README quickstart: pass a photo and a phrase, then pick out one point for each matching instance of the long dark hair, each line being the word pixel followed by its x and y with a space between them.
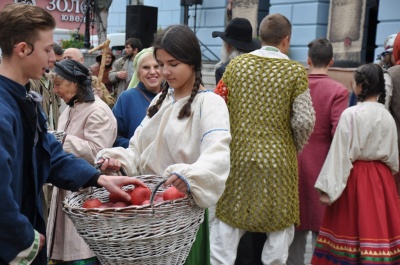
pixel 182 44
pixel 370 77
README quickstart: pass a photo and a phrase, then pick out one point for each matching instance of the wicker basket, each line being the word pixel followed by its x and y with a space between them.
pixel 162 233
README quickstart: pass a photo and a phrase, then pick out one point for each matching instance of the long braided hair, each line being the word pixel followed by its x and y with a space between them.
pixel 370 77
pixel 182 44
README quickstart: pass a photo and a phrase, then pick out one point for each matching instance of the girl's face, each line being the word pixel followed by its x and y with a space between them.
pixel 179 75
pixel 65 88
pixel 149 73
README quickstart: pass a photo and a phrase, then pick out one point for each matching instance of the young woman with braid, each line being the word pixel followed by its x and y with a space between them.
pixel 361 223
pixel 185 135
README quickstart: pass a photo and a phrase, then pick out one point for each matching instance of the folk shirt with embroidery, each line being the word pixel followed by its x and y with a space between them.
pixel 271 118
pixel 196 147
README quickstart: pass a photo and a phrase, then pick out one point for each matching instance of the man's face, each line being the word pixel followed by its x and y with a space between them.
pixel 58 58
pixel 41 55
pixel 72 54
pixel 128 50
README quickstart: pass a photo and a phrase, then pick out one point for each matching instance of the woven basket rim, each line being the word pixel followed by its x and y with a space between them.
pixel 92 190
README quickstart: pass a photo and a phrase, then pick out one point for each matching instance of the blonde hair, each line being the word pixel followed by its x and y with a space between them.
pixel 136 64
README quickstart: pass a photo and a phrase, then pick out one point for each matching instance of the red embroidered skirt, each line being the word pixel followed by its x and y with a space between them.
pixel 363 225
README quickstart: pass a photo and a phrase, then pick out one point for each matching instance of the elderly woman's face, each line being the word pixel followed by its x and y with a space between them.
pixel 65 88
pixel 149 73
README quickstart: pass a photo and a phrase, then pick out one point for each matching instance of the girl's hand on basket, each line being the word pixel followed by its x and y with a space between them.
pixel 177 182
pixel 109 163
pixel 114 183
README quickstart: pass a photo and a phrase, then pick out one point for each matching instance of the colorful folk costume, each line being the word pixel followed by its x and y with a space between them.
pixel 361 226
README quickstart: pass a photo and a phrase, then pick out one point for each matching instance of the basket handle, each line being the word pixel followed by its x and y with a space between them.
pixel 153 193
pixel 121 169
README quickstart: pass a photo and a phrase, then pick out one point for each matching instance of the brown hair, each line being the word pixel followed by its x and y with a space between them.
pixel 274 28
pixel 182 44
pixel 320 52
pixel 21 23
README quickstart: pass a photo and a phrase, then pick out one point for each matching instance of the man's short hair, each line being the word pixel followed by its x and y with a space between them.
pixel 320 52
pixel 21 23
pixel 134 43
pixel 274 28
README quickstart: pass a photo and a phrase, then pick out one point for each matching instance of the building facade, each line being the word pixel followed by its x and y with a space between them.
pixel 310 19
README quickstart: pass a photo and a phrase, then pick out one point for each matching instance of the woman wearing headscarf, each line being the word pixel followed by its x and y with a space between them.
pixel 89 126
pixel 132 104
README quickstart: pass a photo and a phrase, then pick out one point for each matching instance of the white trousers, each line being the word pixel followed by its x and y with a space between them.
pixel 225 240
pixel 297 249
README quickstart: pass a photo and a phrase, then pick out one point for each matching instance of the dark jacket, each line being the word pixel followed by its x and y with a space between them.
pixel 29 158
pixel 130 110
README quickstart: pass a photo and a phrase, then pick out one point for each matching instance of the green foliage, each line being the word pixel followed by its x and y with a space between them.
pixel 75 41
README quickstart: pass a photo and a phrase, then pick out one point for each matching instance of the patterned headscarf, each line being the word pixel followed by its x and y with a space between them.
pixel 76 72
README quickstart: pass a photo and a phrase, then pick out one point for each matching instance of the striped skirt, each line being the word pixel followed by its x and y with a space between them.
pixel 363 225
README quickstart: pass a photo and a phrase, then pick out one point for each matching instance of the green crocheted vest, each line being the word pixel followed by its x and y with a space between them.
pixel 261 192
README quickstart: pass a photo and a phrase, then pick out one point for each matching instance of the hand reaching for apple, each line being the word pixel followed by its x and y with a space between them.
pixel 177 182
pixel 114 183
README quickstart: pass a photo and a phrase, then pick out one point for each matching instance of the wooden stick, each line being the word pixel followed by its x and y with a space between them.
pixel 104 46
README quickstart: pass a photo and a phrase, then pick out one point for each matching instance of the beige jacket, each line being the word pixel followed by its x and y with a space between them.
pixel 89 127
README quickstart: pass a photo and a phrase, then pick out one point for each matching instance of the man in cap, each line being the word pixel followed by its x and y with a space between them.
pixel 237 39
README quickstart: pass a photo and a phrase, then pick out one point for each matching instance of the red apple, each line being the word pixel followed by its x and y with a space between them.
pixel 139 195
pixel 146 202
pixel 114 198
pixel 172 193
pixel 92 203
pixel 119 205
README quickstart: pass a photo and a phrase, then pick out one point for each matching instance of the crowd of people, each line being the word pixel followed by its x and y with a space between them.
pixel 276 152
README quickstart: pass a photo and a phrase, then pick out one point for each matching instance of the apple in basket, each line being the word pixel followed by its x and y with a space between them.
pixel 120 205
pixel 114 198
pixel 92 203
pixel 172 193
pixel 139 195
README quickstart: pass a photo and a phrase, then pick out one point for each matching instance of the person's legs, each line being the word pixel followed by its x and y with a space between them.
pixel 224 243
pixel 245 253
pixel 297 249
pixel 276 248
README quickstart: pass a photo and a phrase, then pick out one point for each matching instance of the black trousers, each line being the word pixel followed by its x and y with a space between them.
pixel 250 249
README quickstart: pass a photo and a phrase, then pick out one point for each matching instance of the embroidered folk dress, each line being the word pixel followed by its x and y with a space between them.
pixel 195 148
pixel 361 226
